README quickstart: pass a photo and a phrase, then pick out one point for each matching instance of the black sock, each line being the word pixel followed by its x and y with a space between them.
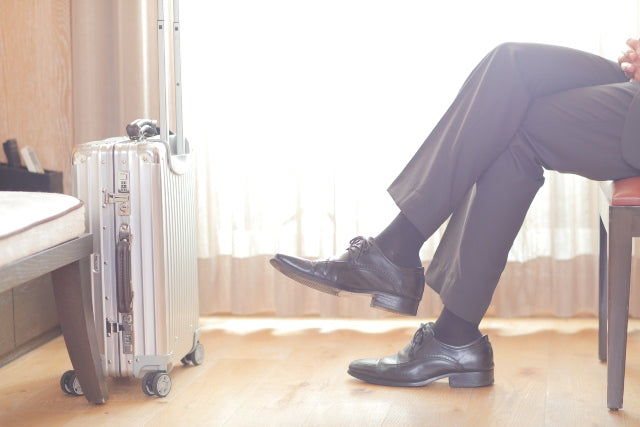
pixel 401 242
pixel 454 330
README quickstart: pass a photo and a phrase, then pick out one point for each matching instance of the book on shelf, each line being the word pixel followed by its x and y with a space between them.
pixel 30 159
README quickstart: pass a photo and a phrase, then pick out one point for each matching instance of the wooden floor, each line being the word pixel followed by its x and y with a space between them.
pixel 292 372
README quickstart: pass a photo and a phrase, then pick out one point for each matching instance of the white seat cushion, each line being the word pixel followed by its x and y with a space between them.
pixel 31 222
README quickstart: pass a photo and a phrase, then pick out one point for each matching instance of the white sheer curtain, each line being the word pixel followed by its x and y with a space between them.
pixel 304 111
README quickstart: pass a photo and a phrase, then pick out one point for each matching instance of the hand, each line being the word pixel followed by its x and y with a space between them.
pixel 630 60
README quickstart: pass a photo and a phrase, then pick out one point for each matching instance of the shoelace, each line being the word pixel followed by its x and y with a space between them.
pixel 418 337
pixel 358 245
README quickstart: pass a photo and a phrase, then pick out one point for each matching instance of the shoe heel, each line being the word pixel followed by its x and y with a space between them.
pixel 471 379
pixel 396 304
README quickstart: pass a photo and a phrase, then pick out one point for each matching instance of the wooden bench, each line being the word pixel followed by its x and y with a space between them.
pixel 69 265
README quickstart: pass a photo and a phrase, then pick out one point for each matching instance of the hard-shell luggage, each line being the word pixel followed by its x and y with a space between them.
pixel 139 192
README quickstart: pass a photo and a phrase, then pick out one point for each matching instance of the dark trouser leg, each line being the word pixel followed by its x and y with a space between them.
pixel 576 131
pixel 482 122
pixel 473 251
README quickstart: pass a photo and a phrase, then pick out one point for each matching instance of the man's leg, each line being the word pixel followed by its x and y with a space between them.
pixel 483 120
pixel 576 131
pixel 475 131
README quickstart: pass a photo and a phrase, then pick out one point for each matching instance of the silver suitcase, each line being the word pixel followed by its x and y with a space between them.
pixel 139 191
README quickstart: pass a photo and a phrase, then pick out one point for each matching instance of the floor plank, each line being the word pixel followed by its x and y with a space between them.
pixel 292 372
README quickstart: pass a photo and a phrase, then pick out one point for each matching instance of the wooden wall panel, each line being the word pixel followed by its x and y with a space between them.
pixel 34 309
pixel 35 80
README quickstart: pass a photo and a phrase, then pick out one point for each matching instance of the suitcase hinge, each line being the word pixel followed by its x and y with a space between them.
pixel 95 262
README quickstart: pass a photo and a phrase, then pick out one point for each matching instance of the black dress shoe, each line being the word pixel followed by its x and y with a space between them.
pixel 362 269
pixel 426 360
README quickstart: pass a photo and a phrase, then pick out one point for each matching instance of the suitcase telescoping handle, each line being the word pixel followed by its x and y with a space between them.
pixel 169 26
pixel 177 146
pixel 124 289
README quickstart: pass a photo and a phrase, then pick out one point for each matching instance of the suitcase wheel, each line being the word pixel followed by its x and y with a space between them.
pixel 196 357
pixel 69 384
pixel 156 384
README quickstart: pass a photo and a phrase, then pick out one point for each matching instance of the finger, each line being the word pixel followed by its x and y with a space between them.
pixel 633 43
pixel 624 57
pixel 627 52
pixel 628 69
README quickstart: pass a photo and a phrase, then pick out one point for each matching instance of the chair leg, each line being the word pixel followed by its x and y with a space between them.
pixel 72 292
pixel 620 222
pixel 602 294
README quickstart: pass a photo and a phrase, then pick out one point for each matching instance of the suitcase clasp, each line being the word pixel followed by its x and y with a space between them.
pixel 121 199
pixel 116 198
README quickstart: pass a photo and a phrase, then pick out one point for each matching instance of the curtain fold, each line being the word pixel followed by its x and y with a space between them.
pixel 307 111
pixel 114 65
pixel 302 113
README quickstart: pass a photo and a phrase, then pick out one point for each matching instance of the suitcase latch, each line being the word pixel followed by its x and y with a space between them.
pixel 122 200
pixel 127 333
pixel 116 197
pixel 126 330
pixel 112 327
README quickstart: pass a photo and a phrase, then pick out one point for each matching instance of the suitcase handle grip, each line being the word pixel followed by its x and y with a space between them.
pixel 142 128
pixel 124 289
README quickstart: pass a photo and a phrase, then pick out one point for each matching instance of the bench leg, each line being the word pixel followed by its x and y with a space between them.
pixel 72 291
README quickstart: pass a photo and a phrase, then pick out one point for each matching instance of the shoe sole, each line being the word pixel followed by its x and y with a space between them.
pixel 456 379
pixel 381 300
